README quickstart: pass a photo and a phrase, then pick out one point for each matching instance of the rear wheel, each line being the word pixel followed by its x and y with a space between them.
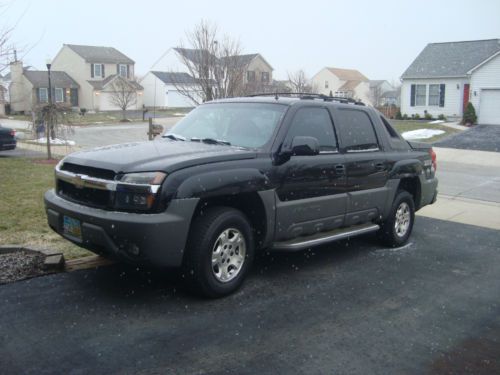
pixel 396 229
pixel 220 252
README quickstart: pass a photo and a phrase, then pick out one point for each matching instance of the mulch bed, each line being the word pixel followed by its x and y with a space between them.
pixel 19 265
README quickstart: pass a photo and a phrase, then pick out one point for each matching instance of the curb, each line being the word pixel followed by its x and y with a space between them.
pixel 54 260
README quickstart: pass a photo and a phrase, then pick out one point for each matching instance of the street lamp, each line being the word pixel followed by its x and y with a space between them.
pixel 48 127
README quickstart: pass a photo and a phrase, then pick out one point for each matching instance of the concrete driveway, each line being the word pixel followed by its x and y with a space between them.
pixel 479 137
pixel 348 308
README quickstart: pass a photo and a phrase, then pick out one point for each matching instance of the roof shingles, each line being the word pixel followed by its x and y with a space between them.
pixel 39 78
pixel 452 59
pixel 98 54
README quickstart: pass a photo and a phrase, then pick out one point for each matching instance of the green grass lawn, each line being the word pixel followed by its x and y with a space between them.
pixel 407 125
pixel 22 213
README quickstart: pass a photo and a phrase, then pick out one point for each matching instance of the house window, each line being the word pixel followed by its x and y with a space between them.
pixel 43 96
pixel 434 95
pixel 420 94
pixel 326 84
pixel 264 77
pixel 123 70
pixel 250 76
pixel 97 70
pixel 59 95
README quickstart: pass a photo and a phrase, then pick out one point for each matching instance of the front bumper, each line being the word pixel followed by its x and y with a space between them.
pixel 153 239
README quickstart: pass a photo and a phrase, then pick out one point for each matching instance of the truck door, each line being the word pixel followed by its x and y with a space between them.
pixel 311 194
pixel 366 165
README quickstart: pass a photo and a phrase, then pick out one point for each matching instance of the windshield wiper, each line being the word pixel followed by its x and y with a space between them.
pixel 175 137
pixel 211 141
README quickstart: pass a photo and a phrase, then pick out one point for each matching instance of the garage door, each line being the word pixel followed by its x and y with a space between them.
pixel 489 107
pixel 177 100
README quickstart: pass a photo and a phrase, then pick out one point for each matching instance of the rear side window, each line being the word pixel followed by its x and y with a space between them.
pixel 314 122
pixel 356 130
pixel 390 130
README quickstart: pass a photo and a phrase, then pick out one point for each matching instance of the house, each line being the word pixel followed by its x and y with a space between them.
pixel 29 89
pixel 257 73
pixel 346 83
pixel 445 77
pixel 99 71
pixel 390 98
pixel 377 90
pixel 170 90
pixel 7 79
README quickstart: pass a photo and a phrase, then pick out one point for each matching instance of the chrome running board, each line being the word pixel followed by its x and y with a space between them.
pixel 301 243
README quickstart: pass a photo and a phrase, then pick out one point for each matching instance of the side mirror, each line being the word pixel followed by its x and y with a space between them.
pixel 305 146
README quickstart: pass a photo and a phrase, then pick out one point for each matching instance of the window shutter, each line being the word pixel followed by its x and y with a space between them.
pixel 412 96
pixel 91 70
pixel 117 69
pixel 102 70
pixel 64 95
pixel 38 95
pixel 128 71
pixel 441 94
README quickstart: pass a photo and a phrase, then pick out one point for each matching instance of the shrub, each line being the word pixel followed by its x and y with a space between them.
pixel 83 111
pixel 442 117
pixel 405 117
pixel 398 115
pixel 470 117
pixel 417 116
pixel 427 116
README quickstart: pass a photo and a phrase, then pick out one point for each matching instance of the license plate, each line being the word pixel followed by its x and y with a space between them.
pixel 72 227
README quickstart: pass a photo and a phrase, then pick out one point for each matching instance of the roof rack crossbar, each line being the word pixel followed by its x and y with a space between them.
pixel 308 95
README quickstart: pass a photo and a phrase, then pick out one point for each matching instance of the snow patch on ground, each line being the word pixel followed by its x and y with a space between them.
pixel 178 114
pixel 55 141
pixel 436 122
pixel 421 133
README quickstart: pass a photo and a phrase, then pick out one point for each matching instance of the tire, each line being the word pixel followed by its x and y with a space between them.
pixel 220 252
pixel 396 229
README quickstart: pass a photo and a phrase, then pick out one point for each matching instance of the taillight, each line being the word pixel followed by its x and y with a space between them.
pixel 13 133
pixel 432 153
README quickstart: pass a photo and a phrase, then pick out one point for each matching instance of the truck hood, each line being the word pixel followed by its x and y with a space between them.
pixel 162 155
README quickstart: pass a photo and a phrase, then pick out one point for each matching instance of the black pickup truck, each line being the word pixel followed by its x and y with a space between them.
pixel 240 175
pixel 7 139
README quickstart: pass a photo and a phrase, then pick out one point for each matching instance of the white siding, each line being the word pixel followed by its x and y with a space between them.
pixel 319 79
pixel 151 83
pixel 486 76
pixel 453 99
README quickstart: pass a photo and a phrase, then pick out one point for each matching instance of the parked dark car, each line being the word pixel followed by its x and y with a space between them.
pixel 7 139
pixel 240 175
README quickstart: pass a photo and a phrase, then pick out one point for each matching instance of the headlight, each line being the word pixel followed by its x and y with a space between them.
pixel 138 191
pixel 149 178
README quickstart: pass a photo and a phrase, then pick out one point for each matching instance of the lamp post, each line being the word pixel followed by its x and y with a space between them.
pixel 48 126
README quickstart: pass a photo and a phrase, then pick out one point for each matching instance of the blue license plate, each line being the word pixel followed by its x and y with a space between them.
pixel 72 227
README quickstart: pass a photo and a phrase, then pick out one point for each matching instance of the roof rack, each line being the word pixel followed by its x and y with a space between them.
pixel 310 96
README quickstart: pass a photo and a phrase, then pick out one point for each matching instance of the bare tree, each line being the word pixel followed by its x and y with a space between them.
pixel 213 62
pixel 375 95
pixel 299 82
pixel 123 94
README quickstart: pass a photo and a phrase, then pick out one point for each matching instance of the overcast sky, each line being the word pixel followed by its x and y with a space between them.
pixel 379 38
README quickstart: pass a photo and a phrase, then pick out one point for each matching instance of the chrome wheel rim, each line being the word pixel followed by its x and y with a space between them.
pixel 228 255
pixel 403 217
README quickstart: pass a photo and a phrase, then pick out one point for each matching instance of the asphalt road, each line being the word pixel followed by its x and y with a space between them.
pixel 358 308
pixel 479 137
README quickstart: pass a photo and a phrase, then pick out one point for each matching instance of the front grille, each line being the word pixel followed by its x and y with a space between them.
pixel 105 174
pixel 86 196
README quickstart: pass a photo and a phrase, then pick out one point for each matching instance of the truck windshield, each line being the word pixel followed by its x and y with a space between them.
pixel 248 125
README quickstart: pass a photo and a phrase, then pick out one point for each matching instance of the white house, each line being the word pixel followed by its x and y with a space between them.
pixel 97 70
pixel 346 83
pixel 445 77
pixel 161 90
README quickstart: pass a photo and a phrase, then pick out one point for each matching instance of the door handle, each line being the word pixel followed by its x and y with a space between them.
pixel 380 166
pixel 340 169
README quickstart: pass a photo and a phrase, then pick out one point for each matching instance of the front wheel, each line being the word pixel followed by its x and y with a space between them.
pixel 220 252
pixel 396 229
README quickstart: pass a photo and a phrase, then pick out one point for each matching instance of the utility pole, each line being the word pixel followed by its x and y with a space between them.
pixel 48 126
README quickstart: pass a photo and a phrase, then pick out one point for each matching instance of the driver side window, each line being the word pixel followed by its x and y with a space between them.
pixel 314 122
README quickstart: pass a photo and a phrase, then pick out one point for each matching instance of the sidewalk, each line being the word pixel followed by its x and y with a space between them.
pixel 464 210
